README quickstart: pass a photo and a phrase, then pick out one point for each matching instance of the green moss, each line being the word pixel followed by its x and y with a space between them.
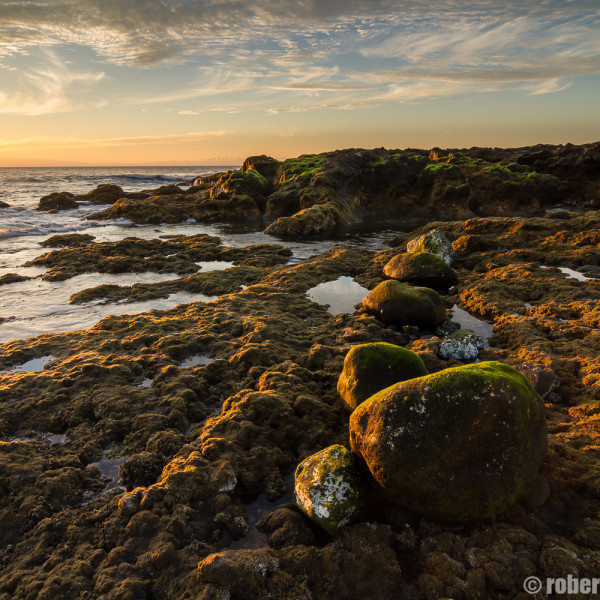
pixel 441 167
pixel 307 163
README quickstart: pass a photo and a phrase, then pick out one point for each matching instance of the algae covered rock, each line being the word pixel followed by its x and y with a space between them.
pixel 369 368
pixel 463 344
pixel 328 488
pixel 434 242
pixel 396 303
pixel 455 446
pixel 421 268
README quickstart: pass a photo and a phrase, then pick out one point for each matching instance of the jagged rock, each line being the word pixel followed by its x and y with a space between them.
pixel 58 201
pixel 310 221
pixel 328 488
pixel 455 446
pixel 434 242
pixel 421 268
pixel 105 194
pixel 268 167
pixel 369 368
pixel 396 303
pixel 463 344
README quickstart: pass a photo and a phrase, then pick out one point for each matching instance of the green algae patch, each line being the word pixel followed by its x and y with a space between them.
pixel 396 303
pixel 369 368
pixel 455 446
pixel 328 488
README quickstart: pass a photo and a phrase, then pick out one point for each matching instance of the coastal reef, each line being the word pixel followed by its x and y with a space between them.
pixel 316 194
pixel 153 455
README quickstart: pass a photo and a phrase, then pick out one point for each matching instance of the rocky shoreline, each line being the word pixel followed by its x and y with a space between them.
pixel 153 455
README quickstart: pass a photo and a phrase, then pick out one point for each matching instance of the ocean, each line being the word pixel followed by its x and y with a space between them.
pixel 34 307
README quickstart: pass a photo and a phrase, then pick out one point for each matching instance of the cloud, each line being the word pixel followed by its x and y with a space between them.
pixel 33 143
pixel 347 106
pixel 49 89
pixel 369 51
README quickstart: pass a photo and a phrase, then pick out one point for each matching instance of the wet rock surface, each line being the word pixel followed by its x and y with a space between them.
pixel 201 443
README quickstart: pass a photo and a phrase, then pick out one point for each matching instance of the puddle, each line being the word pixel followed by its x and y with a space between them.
pixel 146 383
pixel 468 321
pixel 214 265
pixel 574 274
pixel 258 509
pixel 341 295
pixel 194 361
pixel 33 365
pixel 109 467
pixel 57 438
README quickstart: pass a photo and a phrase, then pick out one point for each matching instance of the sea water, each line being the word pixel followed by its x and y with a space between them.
pixel 34 307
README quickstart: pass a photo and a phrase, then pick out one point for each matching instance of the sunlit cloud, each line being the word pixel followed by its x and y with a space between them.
pixel 37 143
pixel 53 88
pixel 347 106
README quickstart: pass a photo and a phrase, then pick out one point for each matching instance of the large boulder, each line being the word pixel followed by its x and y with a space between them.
pixel 396 303
pixel 435 242
pixel 328 488
pixel 455 446
pixel 421 268
pixel 369 368
pixel 58 201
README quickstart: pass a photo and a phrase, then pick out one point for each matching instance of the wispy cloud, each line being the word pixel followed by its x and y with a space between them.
pixel 347 106
pixel 37 143
pixel 53 88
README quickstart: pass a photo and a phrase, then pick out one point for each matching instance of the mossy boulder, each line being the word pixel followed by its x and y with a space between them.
pixel 265 165
pixel 58 201
pixel 396 303
pixel 434 242
pixel 319 219
pixel 459 445
pixel 463 344
pixel 328 488
pixel 421 268
pixel 369 368
pixel 105 194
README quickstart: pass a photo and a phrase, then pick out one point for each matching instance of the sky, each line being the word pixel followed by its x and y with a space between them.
pixel 209 82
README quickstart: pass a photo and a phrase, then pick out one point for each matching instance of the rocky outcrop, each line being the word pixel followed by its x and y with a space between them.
pixel 347 185
pixel 456 446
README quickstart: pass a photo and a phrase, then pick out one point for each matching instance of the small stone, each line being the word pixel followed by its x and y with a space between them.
pixel 463 344
pixel 328 488
pixel 434 242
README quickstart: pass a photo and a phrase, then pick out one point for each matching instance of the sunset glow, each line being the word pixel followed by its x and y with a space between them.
pixel 209 82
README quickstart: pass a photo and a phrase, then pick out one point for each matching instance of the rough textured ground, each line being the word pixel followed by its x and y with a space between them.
pixel 206 451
